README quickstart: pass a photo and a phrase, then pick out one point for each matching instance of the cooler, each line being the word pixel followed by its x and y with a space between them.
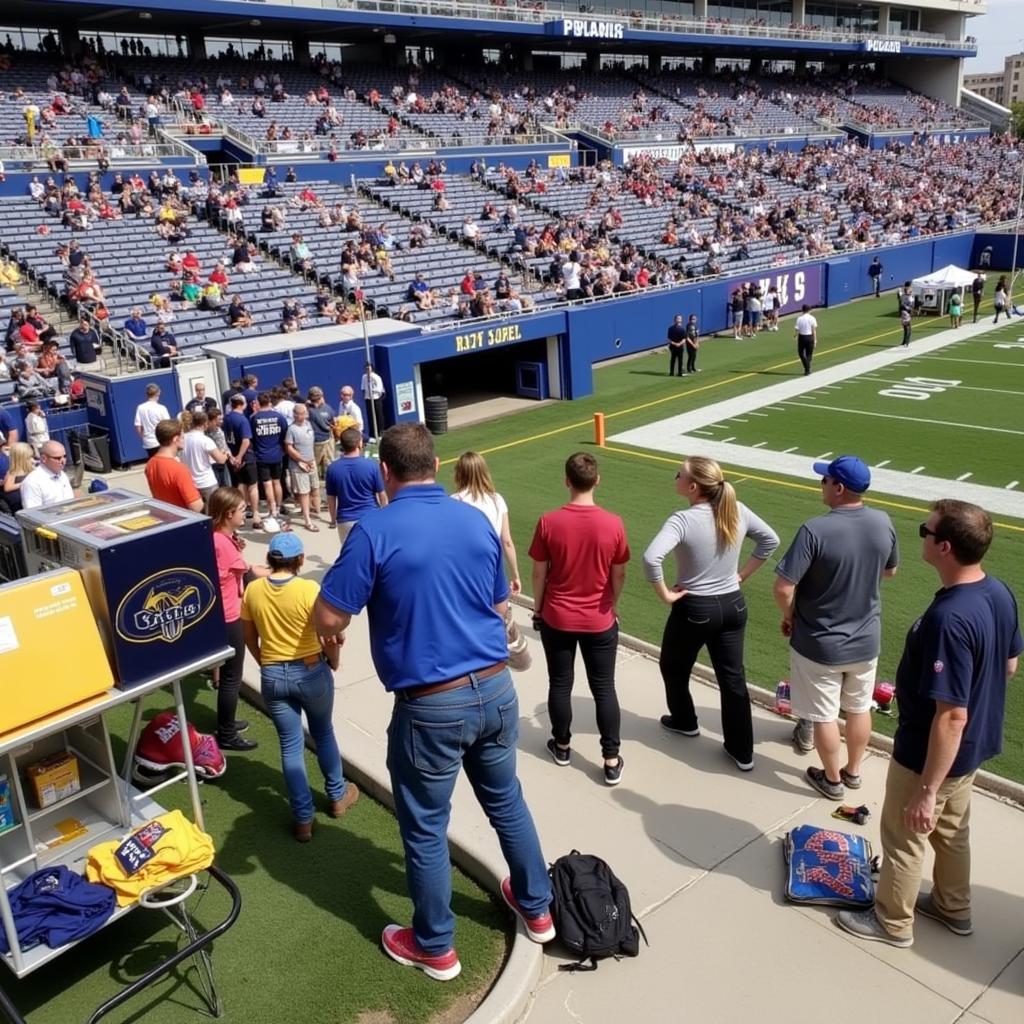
pixel 51 654
pixel 151 575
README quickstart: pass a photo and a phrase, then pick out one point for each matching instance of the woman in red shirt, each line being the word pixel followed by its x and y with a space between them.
pixel 227 510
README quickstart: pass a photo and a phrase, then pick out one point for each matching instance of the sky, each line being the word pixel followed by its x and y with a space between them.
pixel 999 33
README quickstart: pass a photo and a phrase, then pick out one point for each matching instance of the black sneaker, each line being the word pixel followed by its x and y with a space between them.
pixel 241 725
pixel 668 723
pixel 237 742
pixel 613 772
pixel 560 755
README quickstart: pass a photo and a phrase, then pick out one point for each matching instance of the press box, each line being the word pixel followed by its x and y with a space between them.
pixel 151 575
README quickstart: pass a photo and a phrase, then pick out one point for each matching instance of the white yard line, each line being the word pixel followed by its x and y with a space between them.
pixel 736 419
pixel 786 451
pixel 706 433
pixel 982 362
pixel 964 476
pixel 910 419
pixel 917 470
pixel 959 387
pixel 755 413
pixel 725 439
pixel 883 463
pixel 760 444
pixel 1013 483
pixel 823 455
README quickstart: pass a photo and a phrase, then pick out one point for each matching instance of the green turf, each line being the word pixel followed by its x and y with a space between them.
pixel 305 949
pixel 527 452
pixel 968 426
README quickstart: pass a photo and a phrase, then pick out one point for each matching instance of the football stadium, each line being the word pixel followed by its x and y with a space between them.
pixel 259 261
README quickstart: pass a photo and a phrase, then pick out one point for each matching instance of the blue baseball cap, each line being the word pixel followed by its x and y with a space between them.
pixel 287 545
pixel 848 470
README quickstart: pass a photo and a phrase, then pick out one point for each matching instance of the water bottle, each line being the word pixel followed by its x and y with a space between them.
pixel 782 705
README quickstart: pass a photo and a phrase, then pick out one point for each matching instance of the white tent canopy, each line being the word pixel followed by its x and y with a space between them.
pixel 945 279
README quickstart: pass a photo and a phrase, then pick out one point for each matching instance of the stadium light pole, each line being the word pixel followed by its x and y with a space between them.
pixel 1016 226
pixel 372 408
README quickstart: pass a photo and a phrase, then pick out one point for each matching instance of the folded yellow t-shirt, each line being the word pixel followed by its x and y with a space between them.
pixel 163 849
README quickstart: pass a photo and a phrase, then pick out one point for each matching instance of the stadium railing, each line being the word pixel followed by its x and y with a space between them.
pixel 552 10
pixel 119 153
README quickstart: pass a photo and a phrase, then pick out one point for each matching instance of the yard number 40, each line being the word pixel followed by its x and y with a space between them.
pixel 919 388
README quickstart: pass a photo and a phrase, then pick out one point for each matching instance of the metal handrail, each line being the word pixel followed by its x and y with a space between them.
pixel 554 10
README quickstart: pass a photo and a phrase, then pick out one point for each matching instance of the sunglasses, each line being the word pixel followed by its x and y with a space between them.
pixel 923 531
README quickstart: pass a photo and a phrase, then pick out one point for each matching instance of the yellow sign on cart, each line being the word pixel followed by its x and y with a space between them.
pixel 51 654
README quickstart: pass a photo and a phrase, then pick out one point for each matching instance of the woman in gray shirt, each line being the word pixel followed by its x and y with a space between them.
pixel 708 608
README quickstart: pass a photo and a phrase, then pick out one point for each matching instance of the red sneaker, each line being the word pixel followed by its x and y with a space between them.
pixel 400 944
pixel 540 928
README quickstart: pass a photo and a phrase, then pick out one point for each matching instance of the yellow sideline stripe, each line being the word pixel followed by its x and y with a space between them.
pixel 792 485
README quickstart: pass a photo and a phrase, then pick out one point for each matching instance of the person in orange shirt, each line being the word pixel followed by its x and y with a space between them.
pixel 168 479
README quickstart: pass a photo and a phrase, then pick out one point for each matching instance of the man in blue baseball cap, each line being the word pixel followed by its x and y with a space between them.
pixel 827 587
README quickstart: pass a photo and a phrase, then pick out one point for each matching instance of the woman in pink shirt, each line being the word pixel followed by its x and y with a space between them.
pixel 227 510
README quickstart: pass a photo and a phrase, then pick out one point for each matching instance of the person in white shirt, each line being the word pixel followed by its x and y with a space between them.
pixel 571 279
pixel 349 407
pixel 47 484
pixel 475 487
pixel 806 337
pixel 147 416
pixel 372 388
pixel 36 430
pixel 199 454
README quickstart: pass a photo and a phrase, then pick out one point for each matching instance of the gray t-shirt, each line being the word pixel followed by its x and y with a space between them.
pixel 836 561
pixel 701 567
pixel 301 439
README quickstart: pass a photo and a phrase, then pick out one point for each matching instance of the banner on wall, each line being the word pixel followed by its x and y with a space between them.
pixel 675 152
pixel 794 287
pixel 405 397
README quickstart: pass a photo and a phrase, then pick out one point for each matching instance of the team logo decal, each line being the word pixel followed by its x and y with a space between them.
pixel 163 606
pixel 938 667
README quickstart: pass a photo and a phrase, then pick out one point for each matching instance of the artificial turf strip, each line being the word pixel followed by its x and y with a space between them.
pixel 306 948
pixel 527 452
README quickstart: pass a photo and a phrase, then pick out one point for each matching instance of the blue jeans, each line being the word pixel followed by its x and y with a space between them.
pixel 289 688
pixel 429 740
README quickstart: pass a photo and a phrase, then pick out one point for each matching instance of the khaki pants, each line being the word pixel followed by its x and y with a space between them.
pixel 904 851
pixel 323 455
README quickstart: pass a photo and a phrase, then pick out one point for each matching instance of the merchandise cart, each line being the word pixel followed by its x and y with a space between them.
pixel 107 806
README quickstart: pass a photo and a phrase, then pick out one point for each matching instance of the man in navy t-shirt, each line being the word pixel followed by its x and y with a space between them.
pixel 242 463
pixel 268 430
pixel 951 693
pixel 354 484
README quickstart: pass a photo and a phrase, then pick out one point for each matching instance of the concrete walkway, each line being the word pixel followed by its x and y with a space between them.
pixel 699 845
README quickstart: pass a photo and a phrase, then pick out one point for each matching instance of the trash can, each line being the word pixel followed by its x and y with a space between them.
pixel 89 447
pixel 436 414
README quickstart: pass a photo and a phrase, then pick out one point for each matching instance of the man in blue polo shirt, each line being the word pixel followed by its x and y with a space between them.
pixel 429 572
pixel 8 429
pixel 268 430
pixel 238 434
pixel 353 484
pixel 951 695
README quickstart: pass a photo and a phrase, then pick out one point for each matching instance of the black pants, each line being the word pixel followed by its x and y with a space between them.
pixel 598 650
pixel 675 361
pixel 805 350
pixel 1001 309
pixel 877 285
pixel 691 359
pixel 977 303
pixel 230 682
pixel 378 408
pixel 906 334
pixel 719 624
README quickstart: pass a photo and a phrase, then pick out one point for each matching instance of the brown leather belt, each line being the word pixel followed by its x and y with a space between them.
pixel 412 692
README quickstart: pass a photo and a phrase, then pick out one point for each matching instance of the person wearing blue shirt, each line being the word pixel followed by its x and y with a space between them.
pixel 8 430
pixel 242 463
pixel 353 484
pixel 429 572
pixel 951 694
pixel 163 345
pixel 268 430
pixel 135 327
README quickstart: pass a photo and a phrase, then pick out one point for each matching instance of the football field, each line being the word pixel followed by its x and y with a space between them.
pixel 942 419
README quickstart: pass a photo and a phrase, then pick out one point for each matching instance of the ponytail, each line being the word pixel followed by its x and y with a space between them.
pixel 707 475
pixel 727 514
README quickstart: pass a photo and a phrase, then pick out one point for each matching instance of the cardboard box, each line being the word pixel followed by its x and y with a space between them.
pixel 6 804
pixel 51 654
pixel 53 778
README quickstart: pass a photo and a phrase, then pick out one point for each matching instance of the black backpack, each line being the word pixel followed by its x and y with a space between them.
pixel 592 911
